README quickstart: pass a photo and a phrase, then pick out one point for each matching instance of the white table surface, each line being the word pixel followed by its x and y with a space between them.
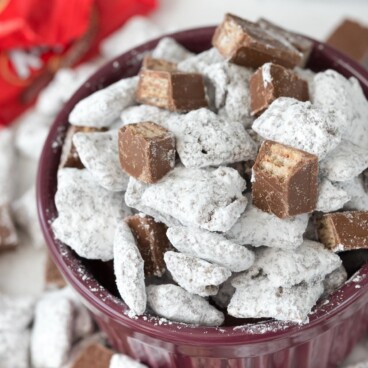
pixel 21 271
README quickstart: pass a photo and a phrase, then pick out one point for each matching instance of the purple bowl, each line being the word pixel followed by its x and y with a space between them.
pixel 334 327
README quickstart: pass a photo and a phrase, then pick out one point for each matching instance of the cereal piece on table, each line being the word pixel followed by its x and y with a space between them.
pixel 258 228
pixel 171 89
pixel 16 312
pixel 247 44
pixel 146 151
pixel 170 50
pixel 211 199
pixel 129 270
pixel 334 280
pixel 344 99
pixel 344 230
pixel 124 361
pixel 8 234
pixel 272 81
pixel 87 214
pixel 358 195
pixel 309 263
pixel 302 44
pixel 257 297
pixel 330 197
pixel 345 162
pixel 203 139
pixel 285 180
pixel 195 275
pixel 211 247
pixel 224 295
pixel 102 108
pixel 151 241
pixel 300 125
pixel 99 153
pixel 14 349
pixel 69 155
pixel 141 113
pixel 52 333
pixel 25 215
pixel 92 355
pixel 351 38
pixel 173 302
pixel 53 277
pixel 199 62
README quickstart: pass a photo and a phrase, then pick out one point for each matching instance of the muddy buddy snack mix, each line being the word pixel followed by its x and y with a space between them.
pixel 214 185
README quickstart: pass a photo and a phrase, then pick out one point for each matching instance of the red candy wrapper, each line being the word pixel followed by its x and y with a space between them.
pixel 38 37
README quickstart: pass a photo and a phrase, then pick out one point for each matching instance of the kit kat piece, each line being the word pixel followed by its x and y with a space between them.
pixel 247 44
pixel 161 85
pixel 146 151
pixel 8 234
pixel 343 231
pixel 351 38
pixel 284 180
pixel 272 81
pixel 302 44
pixel 152 242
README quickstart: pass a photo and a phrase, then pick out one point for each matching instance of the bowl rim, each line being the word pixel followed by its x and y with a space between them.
pixel 104 303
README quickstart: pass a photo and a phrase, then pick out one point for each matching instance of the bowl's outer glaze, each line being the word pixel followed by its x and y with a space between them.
pixel 333 329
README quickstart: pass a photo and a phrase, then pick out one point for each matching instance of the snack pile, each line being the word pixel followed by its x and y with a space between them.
pixel 212 181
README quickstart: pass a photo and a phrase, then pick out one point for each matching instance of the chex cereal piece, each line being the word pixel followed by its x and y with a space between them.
pixel 334 280
pixel 87 214
pixel 300 125
pixel 99 153
pixel 211 247
pixel 246 43
pixel 224 295
pixel 173 302
pixel 345 162
pixel 257 297
pixel 171 89
pixel 146 151
pixel 302 44
pixel 141 113
pixel 91 355
pixel 310 262
pixel 285 180
pixel 203 139
pixel 198 63
pixel 14 349
pixel 102 108
pixel 171 50
pixel 151 241
pixel 25 215
pixel 344 230
pixel 272 81
pixel 357 193
pixel 258 228
pixel 330 197
pixel 16 312
pixel 8 234
pixel 208 198
pixel 52 333
pixel 69 155
pixel 195 275
pixel 129 270
pixel 124 361
pixel 345 99
pixel 53 277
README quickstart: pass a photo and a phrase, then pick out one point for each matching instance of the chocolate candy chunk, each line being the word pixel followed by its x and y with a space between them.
pixel 344 230
pixel 94 355
pixel 161 85
pixel 53 277
pixel 247 44
pixel 351 38
pixel 69 156
pixel 152 242
pixel 284 180
pixel 272 81
pixel 146 151
pixel 8 234
pixel 302 44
